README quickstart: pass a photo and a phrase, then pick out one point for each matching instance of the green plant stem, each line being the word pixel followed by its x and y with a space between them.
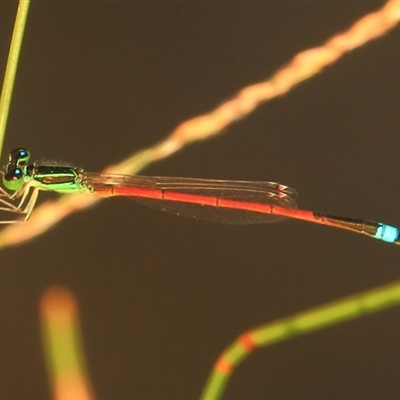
pixel 11 67
pixel 308 321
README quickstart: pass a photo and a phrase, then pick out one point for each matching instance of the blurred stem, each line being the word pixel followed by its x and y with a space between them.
pixel 63 345
pixel 11 67
pixel 322 317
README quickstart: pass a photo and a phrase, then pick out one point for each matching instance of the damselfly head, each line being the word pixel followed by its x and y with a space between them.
pixel 13 178
pixel 19 156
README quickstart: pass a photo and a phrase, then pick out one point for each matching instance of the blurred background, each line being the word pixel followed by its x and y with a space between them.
pixel 160 296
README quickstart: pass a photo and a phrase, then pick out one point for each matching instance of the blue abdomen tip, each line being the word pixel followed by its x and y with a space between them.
pixel 387 233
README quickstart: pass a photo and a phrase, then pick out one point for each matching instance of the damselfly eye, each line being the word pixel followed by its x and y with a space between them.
pixel 13 178
pixel 19 157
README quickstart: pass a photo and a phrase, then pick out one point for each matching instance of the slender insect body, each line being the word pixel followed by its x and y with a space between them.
pixel 232 202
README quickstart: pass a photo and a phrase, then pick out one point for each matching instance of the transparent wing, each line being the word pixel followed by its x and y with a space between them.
pixel 197 198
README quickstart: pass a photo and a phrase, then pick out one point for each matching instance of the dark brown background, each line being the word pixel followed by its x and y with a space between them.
pixel 161 296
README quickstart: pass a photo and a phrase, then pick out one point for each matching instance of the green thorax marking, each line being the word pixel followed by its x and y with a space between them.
pixel 57 178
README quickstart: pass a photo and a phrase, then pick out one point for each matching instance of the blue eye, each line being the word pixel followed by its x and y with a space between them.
pixel 13 179
pixel 19 156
